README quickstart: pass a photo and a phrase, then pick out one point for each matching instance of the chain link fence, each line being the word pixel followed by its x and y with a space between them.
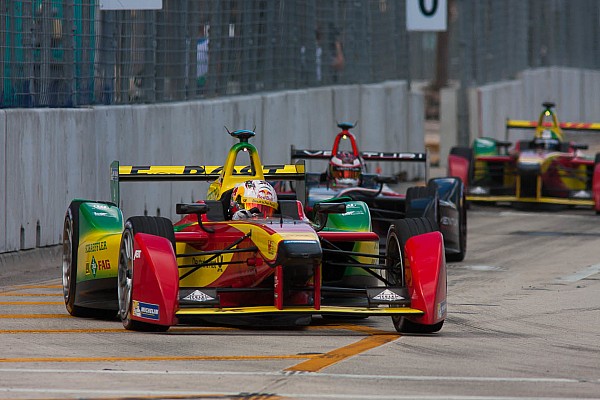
pixel 58 53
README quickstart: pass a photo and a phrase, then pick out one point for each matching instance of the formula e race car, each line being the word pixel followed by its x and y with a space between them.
pixel 347 176
pixel 244 255
pixel 544 170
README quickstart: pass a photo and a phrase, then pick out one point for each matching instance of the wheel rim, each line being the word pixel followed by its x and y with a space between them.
pixel 67 257
pixel 125 275
pixel 394 261
pixel 395 269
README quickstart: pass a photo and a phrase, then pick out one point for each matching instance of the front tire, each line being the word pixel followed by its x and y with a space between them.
pixel 152 225
pixel 398 235
pixel 69 267
pixel 69 257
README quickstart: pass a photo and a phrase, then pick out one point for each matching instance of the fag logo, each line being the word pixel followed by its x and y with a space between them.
pixel 388 295
pixel 198 296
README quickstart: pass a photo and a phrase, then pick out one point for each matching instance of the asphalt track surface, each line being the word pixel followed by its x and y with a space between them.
pixel 523 323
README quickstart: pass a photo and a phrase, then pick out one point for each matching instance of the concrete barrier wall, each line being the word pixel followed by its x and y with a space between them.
pixel 3 188
pixel 55 155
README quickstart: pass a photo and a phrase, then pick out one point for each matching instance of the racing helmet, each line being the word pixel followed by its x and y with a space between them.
pixel 345 169
pixel 546 140
pixel 257 194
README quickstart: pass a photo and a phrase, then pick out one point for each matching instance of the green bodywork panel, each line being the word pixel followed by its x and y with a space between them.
pixel 100 229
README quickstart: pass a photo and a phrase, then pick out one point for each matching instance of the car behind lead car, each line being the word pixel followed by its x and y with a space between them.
pixel 543 170
pixel 283 267
pixel 442 199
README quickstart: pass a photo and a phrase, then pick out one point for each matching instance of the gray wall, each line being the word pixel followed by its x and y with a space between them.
pixel 55 155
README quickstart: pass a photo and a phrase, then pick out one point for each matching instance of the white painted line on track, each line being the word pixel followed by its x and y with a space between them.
pixel 584 273
pixel 288 373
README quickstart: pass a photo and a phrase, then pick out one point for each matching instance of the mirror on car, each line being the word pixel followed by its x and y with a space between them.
pixel 191 208
pixel 386 179
pixel 330 208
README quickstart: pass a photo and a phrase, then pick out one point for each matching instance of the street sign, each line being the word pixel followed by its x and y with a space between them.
pixel 426 15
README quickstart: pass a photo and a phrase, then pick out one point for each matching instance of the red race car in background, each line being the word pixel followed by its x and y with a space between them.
pixel 347 176
pixel 543 170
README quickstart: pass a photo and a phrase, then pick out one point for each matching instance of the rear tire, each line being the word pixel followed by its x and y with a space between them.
pixel 152 225
pixel 429 207
pixel 462 232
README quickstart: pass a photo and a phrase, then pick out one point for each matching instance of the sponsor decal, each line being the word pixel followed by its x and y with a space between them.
pixel 441 309
pixel 270 247
pixel 272 169
pixel 137 254
pixel 193 170
pixel 97 246
pixel 218 263
pixel 146 310
pixel 394 156
pixel 199 296
pixel 100 214
pixel 93 266
pixel 317 152
pixel 388 295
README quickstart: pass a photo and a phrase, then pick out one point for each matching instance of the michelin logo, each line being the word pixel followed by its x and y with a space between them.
pixel 146 310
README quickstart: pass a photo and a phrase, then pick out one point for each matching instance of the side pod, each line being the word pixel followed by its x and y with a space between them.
pixel 155 280
pixel 426 277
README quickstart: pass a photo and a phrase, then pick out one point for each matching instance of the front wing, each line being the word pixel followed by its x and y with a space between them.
pixel 511 186
pixel 156 287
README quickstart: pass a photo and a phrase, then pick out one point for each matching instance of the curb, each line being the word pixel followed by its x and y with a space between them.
pixel 31 266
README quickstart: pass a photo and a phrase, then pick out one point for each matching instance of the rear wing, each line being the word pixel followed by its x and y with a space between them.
pixel 366 155
pixel 565 126
pixel 206 173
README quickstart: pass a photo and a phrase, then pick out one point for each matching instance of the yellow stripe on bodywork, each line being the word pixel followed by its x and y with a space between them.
pixel 545 200
pixel 209 273
pixel 299 310
pixel 579 126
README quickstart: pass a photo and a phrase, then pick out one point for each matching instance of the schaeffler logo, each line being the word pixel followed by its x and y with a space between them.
pixel 388 295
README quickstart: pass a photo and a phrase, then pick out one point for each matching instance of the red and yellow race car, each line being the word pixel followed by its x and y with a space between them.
pixel 242 254
pixel 544 170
